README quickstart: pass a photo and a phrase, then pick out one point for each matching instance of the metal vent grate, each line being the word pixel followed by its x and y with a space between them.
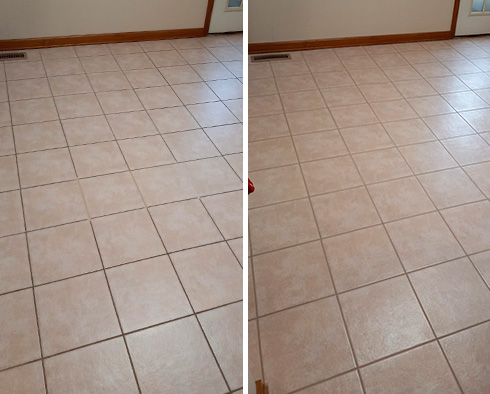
pixel 13 56
pixel 269 57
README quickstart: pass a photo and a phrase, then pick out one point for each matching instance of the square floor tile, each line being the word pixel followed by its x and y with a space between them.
pixel 309 121
pixel 145 78
pixel 167 58
pixel 43 167
pixel 24 70
pixel 32 111
pixel 190 145
pixel 449 84
pixel 92 50
pixel 125 47
pixel 361 257
pixel 387 309
pixel 104 82
pixel 469 149
pixel 478 119
pixel 210 72
pixel 427 157
pixel 211 176
pixel 348 95
pixel 227 89
pixel 289 84
pixel 94 365
pixel 58 53
pixel 119 101
pixel 63 251
pixel 184 225
pixel 270 126
pixel 431 105
pixel 228 139
pixel 415 88
pixel 281 283
pixel 132 124
pixel 109 194
pixel 197 55
pixel 98 64
pixel 212 114
pixel 210 274
pixel 344 211
pixel 39 136
pixel 11 213
pixel 70 84
pixel 28 89
pixel 169 120
pixel 382 165
pixel 449 188
pixel 181 74
pixel 380 92
pixel 194 93
pixel 134 61
pixel 75 312
pixel 51 205
pixel 447 126
pixel 67 66
pixel 465 101
pixel 158 97
pixel 146 152
pixel 15 270
pixel 432 70
pixel 330 175
pixel 28 378
pixel 189 366
pixel 161 185
pixel 363 115
pixel 147 292
pixel 19 340
pixel 479 174
pixel 321 145
pixel 127 237
pixel 471 225
pixel 98 159
pixel 281 225
pixel 300 101
pixel 87 130
pixel 453 295
pixel 155 46
pixel 5 115
pixel 348 383
pixel 264 105
pixel 6 139
pixel 400 198
pixel 469 356
pixel 476 81
pixel 301 339
pixel 482 264
pixel 335 79
pixel 271 153
pixel 365 138
pixel 226 211
pixel 390 111
pixel 78 106
pixel 423 369
pixel 9 179
pixel 371 75
pixel 223 328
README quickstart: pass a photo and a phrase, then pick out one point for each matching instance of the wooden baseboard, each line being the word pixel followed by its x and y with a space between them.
pixel 261 388
pixel 47 42
pixel 284 46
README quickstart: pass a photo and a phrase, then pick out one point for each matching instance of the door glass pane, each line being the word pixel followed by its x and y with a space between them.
pixel 487 6
pixel 477 6
pixel 234 3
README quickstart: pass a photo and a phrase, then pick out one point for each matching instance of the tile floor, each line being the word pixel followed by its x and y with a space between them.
pixel 370 224
pixel 121 218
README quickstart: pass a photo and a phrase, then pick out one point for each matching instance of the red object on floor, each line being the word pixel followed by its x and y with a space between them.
pixel 251 187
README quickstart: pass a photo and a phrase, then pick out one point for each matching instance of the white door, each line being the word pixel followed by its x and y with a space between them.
pixel 227 16
pixel 473 17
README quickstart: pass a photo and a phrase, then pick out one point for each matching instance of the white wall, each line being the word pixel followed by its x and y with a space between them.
pixel 51 18
pixel 296 20
pixel 469 25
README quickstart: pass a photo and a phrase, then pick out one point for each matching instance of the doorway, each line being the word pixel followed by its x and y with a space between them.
pixel 473 17
pixel 227 16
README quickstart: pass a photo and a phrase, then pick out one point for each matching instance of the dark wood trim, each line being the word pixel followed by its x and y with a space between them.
pixel 209 12
pixel 455 18
pixel 261 388
pixel 284 46
pixel 47 42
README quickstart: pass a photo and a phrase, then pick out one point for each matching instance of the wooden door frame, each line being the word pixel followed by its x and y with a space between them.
pixel 107 38
pixel 283 46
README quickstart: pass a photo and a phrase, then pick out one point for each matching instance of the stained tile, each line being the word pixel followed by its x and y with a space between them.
pixel 63 251
pixel 147 292
pixel 127 237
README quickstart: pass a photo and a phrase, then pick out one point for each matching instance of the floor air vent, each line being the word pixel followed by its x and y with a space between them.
pixel 269 57
pixel 13 56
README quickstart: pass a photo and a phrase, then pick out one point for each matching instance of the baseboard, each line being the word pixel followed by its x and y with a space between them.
pixel 284 46
pixel 48 42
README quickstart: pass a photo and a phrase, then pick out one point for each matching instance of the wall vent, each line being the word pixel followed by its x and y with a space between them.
pixel 13 55
pixel 270 57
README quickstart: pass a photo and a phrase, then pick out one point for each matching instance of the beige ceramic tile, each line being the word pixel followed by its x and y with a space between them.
pixel 478 119
pixel 228 139
pixel 382 165
pixel 482 264
pixel 134 61
pixel 181 74
pixel 301 339
pixel 320 145
pixel 453 295
pixel 19 340
pixel 447 126
pixel 365 138
pixel 189 366
pixel 226 210
pixel 269 126
pixel 380 92
pixel 184 225
pixel 77 106
pixel 24 70
pixel 415 88
pixel 423 240
pixel 87 130
pixel 361 257
pixel 119 101
pixel 14 264
pixel 147 292
pixel 108 194
pixel 6 140
pixel 344 211
pixel 156 97
pixel 127 237
pixel 420 370
pixel 98 159
pixel 145 78
pixel 363 115
pixel 349 95
pixel 212 71
pixel 166 58
pixel 300 101
pixel 101 368
pixel 32 111
pixel 131 124
pixel 5 119
pixel 26 379
pixel 193 93
pixel 271 153
pixel 97 64
pixel 146 152
pixel 39 136
pixel 427 157
pixel 11 214
pixel 310 121
pixel 348 383
pixel 103 82
pixel 51 205
pixel 66 66
pixel 469 149
pixel 212 114
pixel 387 309
pixel 281 225
pixel 28 89
pixel 61 252
pixel 280 283
pixel 479 174
pixel 190 145
pixel 75 312
pixel 169 120
pixel 390 111
pixel 9 179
